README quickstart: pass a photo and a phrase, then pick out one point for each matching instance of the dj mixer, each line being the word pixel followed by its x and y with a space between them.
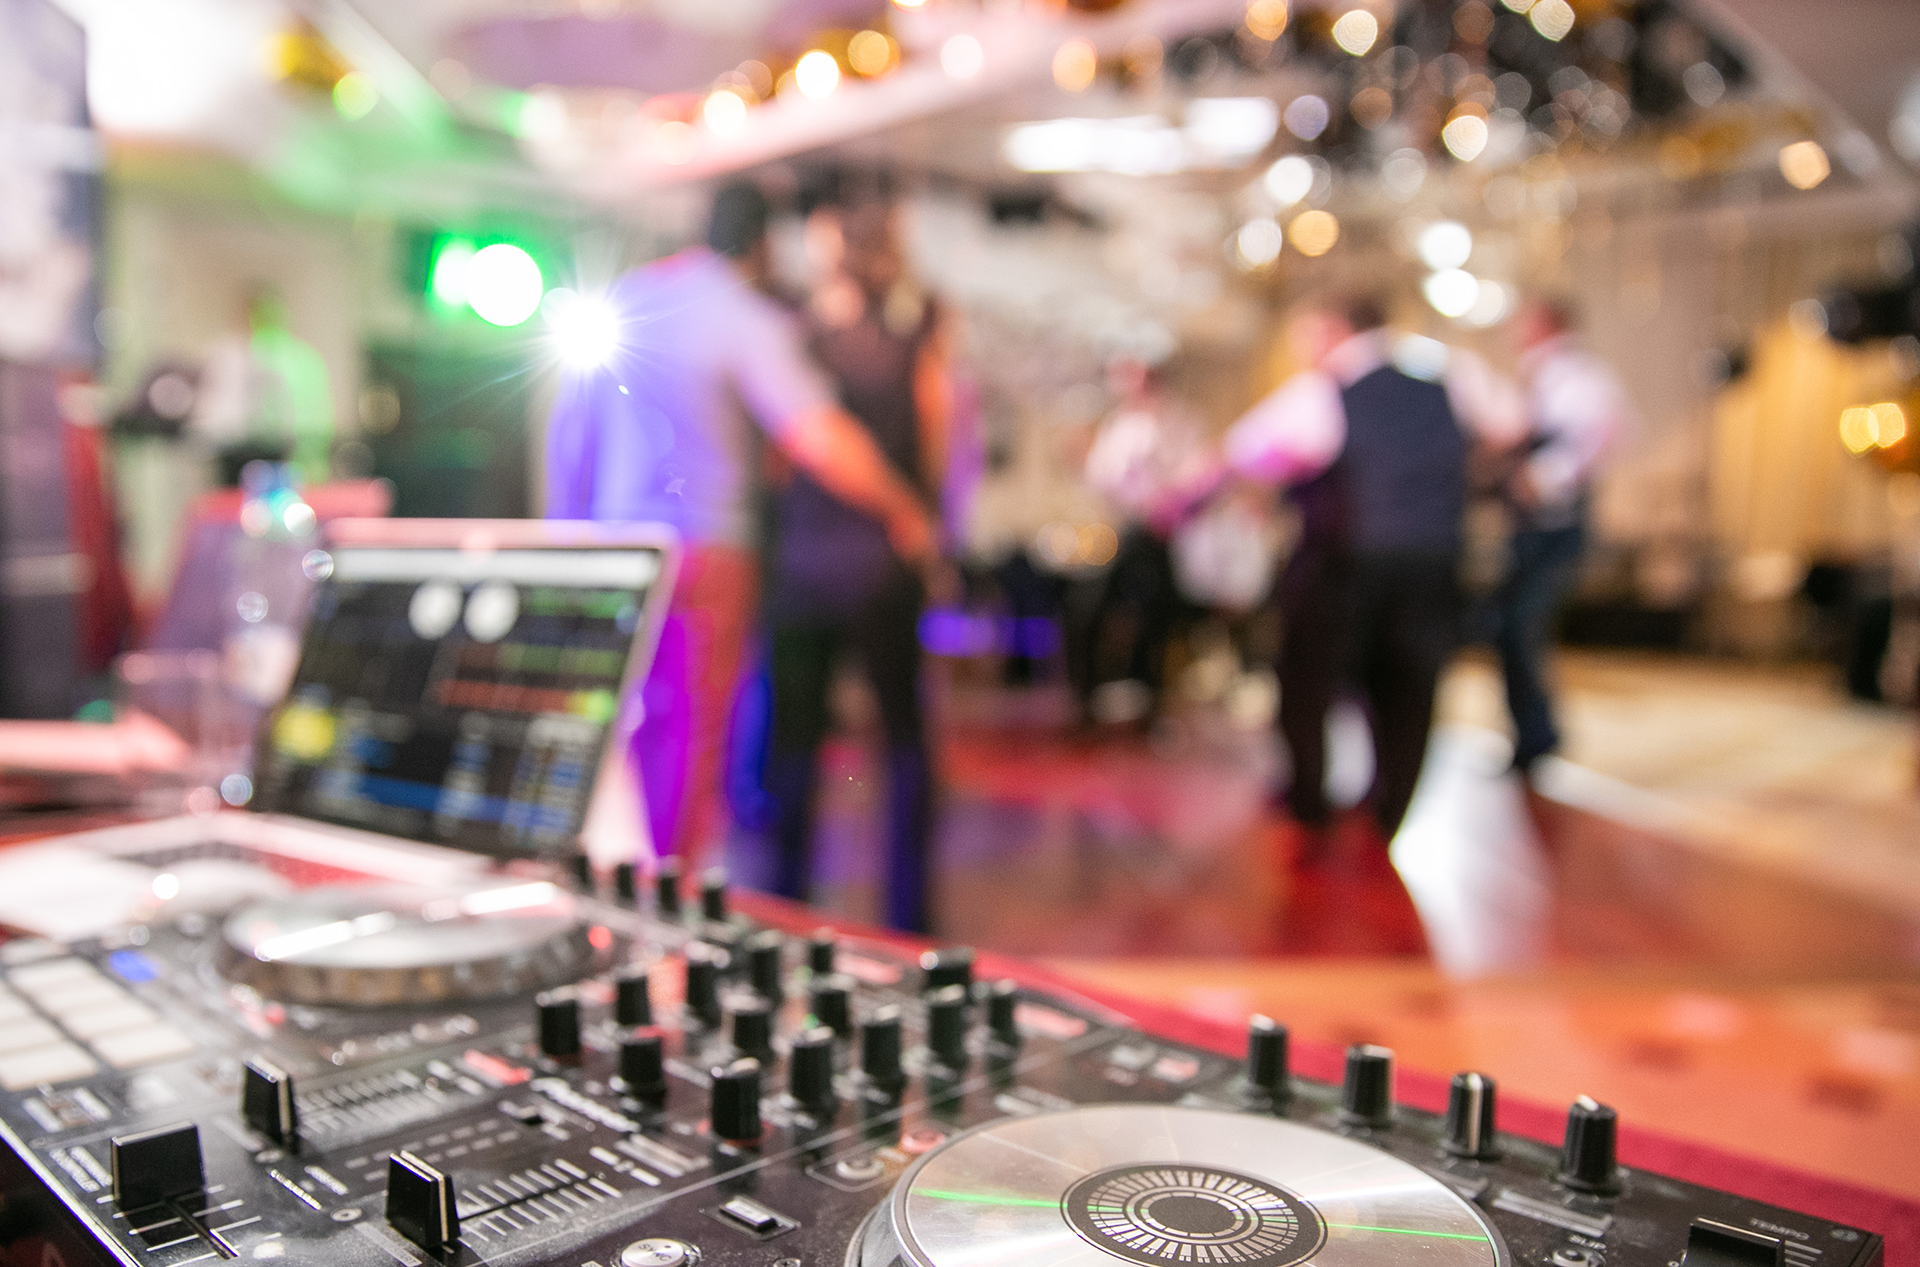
pixel 517 1069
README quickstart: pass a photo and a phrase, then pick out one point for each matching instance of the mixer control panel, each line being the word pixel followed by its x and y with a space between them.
pixel 523 1072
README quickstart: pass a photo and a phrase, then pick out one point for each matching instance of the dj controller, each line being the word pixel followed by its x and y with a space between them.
pixel 520 1070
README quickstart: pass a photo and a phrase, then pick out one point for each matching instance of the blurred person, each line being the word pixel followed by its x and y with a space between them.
pixel 265 394
pixel 1575 407
pixel 1373 440
pixel 662 433
pixel 835 582
pixel 1146 459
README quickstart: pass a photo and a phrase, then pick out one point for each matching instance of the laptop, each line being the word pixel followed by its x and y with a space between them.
pixel 457 702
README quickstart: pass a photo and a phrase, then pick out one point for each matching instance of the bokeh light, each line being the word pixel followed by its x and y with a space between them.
pixel 724 112
pixel 1307 116
pixel 1266 19
pixel 816 74
pixel 1452 292
pixel 872 54
pixel 354 95
pixel 449 278
pixel 1804 164
pixel 1552 18
pixel 503 284
pixel 1257 244
pixel 1074 65
pixel 1465 135
pixel 962 57
pixel 1289 180
pixel 1313 233
pixel 585 329
pixel 1355 31
pixel 1444 244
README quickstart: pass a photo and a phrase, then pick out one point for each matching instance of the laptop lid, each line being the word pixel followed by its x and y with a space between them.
pixel 459 679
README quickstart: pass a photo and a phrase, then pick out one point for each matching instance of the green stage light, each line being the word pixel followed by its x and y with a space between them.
pixel 447 278
pixel 503 284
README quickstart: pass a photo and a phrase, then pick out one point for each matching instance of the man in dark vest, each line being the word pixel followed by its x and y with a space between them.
pixel 1373 439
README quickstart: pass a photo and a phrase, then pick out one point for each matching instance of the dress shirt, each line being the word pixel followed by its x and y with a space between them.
pixel 1576 406
pixel 663 432
pixel 1298 430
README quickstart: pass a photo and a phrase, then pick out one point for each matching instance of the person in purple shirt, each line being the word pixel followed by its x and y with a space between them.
pixel 663 433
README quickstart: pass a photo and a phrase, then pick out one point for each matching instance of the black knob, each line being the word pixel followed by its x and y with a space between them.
pixel 643 1065
pixel 810 1071
pixel 880 1049
pixel 420 1202
pixel 830 999
pixel 753 1029
pixel 666 888
pixel 947 1025
pixel 582 868
pixel 1587 1161
pixel 952 966
pixel 267 1103
pixel 559 1023
pixel 734 1114
pixel 1470 1105
pixel 704 964
pixel 1267 1057
pixel 624 887
pixel 713 896
pixel 1003 1012
pixel 150 1166
pixel 1366 1097
pixel 821 949
pixel 632 996
pixel 766 965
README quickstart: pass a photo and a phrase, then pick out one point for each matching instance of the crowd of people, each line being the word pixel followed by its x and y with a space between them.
pixel 828 536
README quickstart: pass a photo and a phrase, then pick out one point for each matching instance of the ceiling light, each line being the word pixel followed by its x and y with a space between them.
pixel 1444 244
pixel 1289 180
pixel 1074 65
pixel 1313 232
pixel 724 112
pixel 1804 164
pixel 1307 116
pixel 503 284
pixel 1356 30
pixel 1452 292
pixel 1257 244
pixel 816 74
pixel 1465 136
pixel 962 57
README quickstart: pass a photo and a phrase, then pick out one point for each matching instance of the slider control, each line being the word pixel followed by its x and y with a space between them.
pixel 267 1103
pixel 624 887
pixel 151 1166
pixel 1715 1244
pixel 420 1202
pixel 951 966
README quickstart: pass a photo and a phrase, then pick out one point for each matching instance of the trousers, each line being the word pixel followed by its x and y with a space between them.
pixel 1546 562
pixel 883 632
pixel 1386 623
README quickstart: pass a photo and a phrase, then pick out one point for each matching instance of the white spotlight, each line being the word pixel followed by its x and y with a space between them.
pixel 1445 244
pixel 585 329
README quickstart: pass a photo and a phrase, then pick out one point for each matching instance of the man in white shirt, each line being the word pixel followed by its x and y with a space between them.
pixel 1575 407
pixel 1373 440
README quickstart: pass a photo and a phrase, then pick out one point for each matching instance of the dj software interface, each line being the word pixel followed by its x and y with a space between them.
pixel 439 699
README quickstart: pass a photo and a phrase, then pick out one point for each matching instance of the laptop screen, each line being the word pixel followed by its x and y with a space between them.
pixel 461 697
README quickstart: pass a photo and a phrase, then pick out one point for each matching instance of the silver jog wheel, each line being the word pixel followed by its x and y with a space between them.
pixel 379 945
pixel 1149 1185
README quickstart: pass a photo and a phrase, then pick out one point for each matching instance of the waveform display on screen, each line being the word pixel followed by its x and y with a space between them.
pixel 466 704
